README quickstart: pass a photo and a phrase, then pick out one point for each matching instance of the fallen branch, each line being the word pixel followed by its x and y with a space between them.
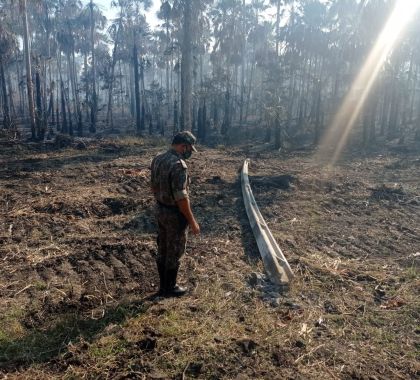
pixel 308 353
pixel 22 290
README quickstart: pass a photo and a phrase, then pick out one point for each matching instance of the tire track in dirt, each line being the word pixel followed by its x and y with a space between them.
pixel 87 280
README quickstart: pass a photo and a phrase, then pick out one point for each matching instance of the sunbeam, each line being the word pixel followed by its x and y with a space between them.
pixel 337 134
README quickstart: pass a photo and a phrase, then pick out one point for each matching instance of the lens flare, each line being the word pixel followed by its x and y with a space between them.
pixel 338 132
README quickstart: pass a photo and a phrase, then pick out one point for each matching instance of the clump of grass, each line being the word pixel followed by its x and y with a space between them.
pixel 131 141
pixel 107 346
pixel 19 345
pixel 40 285
pixel 412 273
pixel 10 325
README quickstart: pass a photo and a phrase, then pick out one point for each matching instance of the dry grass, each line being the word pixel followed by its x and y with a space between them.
pixel 78 269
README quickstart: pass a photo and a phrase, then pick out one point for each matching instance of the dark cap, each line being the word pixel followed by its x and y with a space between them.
pixel 185 137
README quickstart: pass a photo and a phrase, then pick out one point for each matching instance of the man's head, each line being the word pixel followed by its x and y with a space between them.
pixel 183 142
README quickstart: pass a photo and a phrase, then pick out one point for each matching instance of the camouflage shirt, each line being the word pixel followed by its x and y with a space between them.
pixel 169 178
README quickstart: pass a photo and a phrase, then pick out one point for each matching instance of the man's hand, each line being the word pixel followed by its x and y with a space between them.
pixel 185 208
pixel 195 228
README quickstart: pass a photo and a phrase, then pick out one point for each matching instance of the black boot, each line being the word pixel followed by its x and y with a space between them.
pixel 162 279
pixel 172 289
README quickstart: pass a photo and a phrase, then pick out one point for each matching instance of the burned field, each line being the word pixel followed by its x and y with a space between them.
pixel 78 277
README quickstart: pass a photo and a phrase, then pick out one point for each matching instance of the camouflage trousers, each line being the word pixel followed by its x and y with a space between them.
pixel 172 237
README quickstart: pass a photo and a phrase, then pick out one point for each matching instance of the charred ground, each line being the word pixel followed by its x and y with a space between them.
pixel 78 277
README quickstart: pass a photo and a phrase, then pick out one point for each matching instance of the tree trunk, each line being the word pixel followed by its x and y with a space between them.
pixel 40 127
pixel 51 110
pixel 372 121
pixel 417 133
pixel 194 118
pixel 11 102
pixel 87 93
pixel 122 90
pixel 136 86
pixel 150 123
pixel 94 105
pixel 77 99
pixel 385 109
pixel 64 127
pixel 142 98
pixel 243 52
pixel 413 95
pixel 278 27
pixel 75 91
pixel 175 117
pixel 167 68
pixel 234 94
pixel 186 69
pixel 57 97
pixel 277 132
pixel 199 121
pixel 204 121
pixel 394 109
pixel 406 95
pixel 6 110
pixel 28 67
pixel 248 97
pixel 318 115
pixel 109 118
pixel 226 119
pixel 20 89
pixel 215 113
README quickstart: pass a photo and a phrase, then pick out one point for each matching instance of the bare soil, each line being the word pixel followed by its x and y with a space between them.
pixel 78 279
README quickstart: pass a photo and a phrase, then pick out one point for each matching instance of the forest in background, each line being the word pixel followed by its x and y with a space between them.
pixel 226 68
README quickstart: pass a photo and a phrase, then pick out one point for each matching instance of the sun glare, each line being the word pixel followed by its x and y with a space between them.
pixel 338 132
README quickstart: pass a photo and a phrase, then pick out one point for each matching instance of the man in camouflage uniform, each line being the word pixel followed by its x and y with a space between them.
pixel 170 183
